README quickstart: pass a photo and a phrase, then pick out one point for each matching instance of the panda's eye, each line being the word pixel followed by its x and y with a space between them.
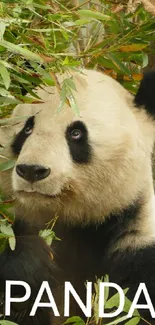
pixel 21 137
pixel 28 130
pixel 78 142
pixel 76 134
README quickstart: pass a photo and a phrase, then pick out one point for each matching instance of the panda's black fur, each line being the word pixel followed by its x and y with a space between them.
pixel 26 263
pixel 22 136
pixel 144 96
pixel 83 252
pixel 31 262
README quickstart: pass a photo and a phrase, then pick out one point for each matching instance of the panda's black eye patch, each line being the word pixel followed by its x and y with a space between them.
pixel 78 142
pixel 23 135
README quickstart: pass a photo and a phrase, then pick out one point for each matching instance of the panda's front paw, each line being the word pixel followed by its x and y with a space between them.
pixel 31 262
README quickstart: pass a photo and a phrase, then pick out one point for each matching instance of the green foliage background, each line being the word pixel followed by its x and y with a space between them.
pixel 38 38
pixel 41 37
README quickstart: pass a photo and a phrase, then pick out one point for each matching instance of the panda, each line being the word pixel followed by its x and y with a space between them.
pixel 94 171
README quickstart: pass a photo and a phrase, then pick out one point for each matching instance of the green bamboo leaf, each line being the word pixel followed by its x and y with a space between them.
pixel 106 62
pixel 12 242
pixel 73 103
pixel 22 51
pixel 5 101
pixel 6 230
pixel 81 22
pixel 9 120
pixel 6 64
pixel 3 236
pixel 5 206
pixel 41 30
pixel 2 29
pixel 117 321
pixel 4 92
pixel 114 300
pixel 145 60
pixel 127 306
pixel 5 76
pixel 93 15
pixel 69 82
pixel 48 235
pixel 7 165
pixel 6 322
pixel 133 321
pixel 11 239
pixel 63 97
pixel 119 65
pixel 76 320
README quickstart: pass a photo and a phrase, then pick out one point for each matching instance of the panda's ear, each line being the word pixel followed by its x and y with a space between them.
pixel 146 94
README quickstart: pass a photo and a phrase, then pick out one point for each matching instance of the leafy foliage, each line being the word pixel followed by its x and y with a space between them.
pixel 41 37
pixel 48 234
pixel 38 38
pixel 6 322
pixel 110 303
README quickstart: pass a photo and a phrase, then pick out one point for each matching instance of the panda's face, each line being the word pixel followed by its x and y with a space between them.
pixel 81 167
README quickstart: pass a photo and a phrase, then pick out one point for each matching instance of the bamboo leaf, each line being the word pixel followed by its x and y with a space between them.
pixel 114 300
pixel 133 321
pixel 5 76
pixel 73 103
pixel 6 230
pixel 7 165
pixel 70 83
pixel 22 51
pixel 76 320
pixel 81 22
pixel 90 14
pixel 12 242
pixel 117 321
pixel 6 322
pixel 4 92
pixel 133 47
pixel 145 60
pixel 3 236
pixel 121 66
pixel 4 101
pixel 2 29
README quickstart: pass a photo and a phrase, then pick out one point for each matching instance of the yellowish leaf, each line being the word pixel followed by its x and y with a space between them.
pixel 132 47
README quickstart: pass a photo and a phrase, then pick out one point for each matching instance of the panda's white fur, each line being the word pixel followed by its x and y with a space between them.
pixel 121 137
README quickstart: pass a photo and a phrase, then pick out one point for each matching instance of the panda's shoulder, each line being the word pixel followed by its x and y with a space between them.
pixel 145 95
pixel 132 267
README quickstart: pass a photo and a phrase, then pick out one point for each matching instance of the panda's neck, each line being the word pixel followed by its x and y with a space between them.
pixel 130 228
pixel 111 228
pixel 83 248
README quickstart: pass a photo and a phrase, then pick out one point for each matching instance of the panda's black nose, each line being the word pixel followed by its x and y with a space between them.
pixel 32 173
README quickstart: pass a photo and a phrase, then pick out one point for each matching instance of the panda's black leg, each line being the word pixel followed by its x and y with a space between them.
pixel 31 262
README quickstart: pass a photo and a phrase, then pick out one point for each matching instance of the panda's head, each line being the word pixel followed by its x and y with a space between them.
pixel 88 166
